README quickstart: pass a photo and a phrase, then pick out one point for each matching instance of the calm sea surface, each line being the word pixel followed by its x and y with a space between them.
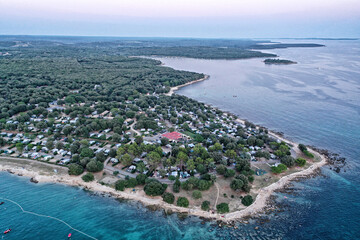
pixel 316 101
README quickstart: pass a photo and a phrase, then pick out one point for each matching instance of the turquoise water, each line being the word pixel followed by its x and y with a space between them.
pixel 316 102
pixel 97 216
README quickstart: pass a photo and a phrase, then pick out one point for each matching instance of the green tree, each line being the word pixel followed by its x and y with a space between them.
pixel 242 165
pixel 259 142
pixel 218 147
pixel 229 173
pixel 221 169
pixel 164 141
pixel 196 194
pixel 75 169
pixel 49 144
pixel 88 177
pixel 140 178
pixel 87 152
pixel 154 159
pixel 236 184
pixel 251 141
pixel 300 162
pixel 168 197
pixel 131 183
pixel 182 158
pixel 205 205
pixel 154 188
pixel 100 156
pixel 230 154
pixel 247 200
pixel 182 202
pixel 67 130
pixel 279 169
pixel 190 165
pixel 141 167
pixel 94 166
pixel 20 147
pixel 302 147
pixel 120 185
pixel 222 208
pixel 176 186
pixel 126 160
pixel 288 161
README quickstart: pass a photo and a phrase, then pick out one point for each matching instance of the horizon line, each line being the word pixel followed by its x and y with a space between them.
pixel 179 37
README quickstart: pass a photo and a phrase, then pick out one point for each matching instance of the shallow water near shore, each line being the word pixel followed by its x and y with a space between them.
pixel 316 101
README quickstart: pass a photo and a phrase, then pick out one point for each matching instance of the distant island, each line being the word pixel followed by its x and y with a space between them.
pixel 278 61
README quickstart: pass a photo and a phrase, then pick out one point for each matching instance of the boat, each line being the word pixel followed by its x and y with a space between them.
pixel 7 231
pixel 69 235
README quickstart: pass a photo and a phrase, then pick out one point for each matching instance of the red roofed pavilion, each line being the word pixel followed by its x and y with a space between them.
pixel 175 136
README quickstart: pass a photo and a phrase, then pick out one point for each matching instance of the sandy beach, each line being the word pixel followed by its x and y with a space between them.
pixel 173 89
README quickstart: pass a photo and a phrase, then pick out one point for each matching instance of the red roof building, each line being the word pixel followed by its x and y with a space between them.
pixel 175 136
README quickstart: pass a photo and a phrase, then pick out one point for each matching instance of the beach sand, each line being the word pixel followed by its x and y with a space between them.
pixel 173 89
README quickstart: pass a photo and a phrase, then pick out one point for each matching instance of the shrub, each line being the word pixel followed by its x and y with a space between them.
pixel 221 169
pixel 204 185
pixel 131 183
pixel 196 194
pixel 176 186
pixel 190 184
pixel 236 184
pixel 182 202
pixel 172 178
pixel 302 147
pixel 94 166
pixel 155 188
pixel 288 161
pixel 279 169
pixel 141 178
pixel 120 185
pixel 205 205
pixel 75 169
pixel 251 178
pixel 309 154
pixel 242 165
pixel 247 200
pixel 168 197
pixel 222 208
pixel 246 188
pixel 229 173
pixel 88 177
pixel 300 162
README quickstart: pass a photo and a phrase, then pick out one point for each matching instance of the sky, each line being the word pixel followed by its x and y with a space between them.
pixel 182 18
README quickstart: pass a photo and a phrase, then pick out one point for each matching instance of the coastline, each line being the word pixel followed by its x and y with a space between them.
pixel 259 204
pixel 173 89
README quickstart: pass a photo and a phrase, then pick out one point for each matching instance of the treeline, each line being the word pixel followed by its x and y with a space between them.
pixel 30 82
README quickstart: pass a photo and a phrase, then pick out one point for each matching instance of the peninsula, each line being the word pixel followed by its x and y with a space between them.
pixel 84 116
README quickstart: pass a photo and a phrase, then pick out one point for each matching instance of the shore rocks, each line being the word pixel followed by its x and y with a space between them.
pixel 33 180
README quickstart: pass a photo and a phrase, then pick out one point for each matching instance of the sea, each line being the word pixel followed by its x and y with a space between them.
pixel 315 102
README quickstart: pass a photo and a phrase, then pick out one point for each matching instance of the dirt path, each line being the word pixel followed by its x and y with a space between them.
pixel 217 196
pixel 132 129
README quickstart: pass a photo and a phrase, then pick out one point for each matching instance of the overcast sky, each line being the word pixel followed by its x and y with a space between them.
pixel 182 18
